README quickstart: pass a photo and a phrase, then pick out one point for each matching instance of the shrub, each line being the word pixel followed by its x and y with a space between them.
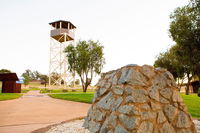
pixel 64 90
pixel 73 90
pixel 45 91
pixel 198 92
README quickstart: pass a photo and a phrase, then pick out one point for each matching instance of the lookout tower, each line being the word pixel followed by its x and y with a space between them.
pixel 62 33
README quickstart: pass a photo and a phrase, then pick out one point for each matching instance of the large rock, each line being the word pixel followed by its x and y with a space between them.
pixel 136 99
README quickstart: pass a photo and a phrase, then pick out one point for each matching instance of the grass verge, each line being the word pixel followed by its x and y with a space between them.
pixel 75 96
pixel 192 102
pixel 24 90
pixel 8 96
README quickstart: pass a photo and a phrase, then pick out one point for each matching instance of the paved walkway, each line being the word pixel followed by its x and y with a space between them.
pixel 35 110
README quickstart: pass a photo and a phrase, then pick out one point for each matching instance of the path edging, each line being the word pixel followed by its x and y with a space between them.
pixel 44 129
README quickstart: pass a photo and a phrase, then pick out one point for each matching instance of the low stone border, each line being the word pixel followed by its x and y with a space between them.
pixel 48 128
pixel 45 129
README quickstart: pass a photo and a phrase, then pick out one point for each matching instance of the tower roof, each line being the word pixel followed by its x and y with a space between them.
pixel 64 24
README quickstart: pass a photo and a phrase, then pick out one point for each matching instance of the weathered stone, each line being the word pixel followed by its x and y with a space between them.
pixel 160 81
pixel 120 129
pixel 95 98
pixel 107 85
pixel 145 107
pixel 104 130
pixel 153 93
pixel 129 122
pixel 86 123
pixel 109 76
pixel 169 75
pixel 148 71
pixel 110 131
pixel 163 100
pixel 183 120
pixel 166 92
pixel 161 117
pixel 155 106
pixel 129 99
pixel 116 103
pixel 106 101
pixel 145 127
pixel 118 90
pixel 130 76
pixel 148 115
pixel 101 91
pixel 159 69
pixel 110 120
pixel 184 131
pixel 155 130
pixel 128 90
pixel 98 115
pixel 114 80
pixel 167 128
pixel 138 96
pixel 101 83
pixel 131 65
pixel 128 109
pixel 170 112
pixel 125 76
pixel 94 126
pixel 136 99
pixel 176 97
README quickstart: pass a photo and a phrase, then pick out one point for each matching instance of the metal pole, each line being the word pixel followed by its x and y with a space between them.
pixel 65 59
pixel 50 65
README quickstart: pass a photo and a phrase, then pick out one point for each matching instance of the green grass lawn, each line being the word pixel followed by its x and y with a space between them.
pixel 192 102
pixel 24 90
pixel 8 96
pixel 75 96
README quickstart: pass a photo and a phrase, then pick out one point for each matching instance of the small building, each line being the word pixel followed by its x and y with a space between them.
pixel 9 83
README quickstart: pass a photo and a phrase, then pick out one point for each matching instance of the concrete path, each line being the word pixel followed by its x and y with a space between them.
pixel 35 110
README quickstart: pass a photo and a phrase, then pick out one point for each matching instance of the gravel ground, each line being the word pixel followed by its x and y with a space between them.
pixel 69 127
pixel 76 127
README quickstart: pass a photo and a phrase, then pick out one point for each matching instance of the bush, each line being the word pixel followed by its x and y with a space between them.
pixel 45 91
pixel 73 90
pixel 77 82
pixel 24 90
pixel 64 90
pixel 198 92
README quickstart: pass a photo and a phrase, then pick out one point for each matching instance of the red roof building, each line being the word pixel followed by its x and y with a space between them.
pixel 9 84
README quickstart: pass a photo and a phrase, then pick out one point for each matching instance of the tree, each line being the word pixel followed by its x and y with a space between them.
pixel 85 59
pixel 26 79
pixel 5 71
pixel 44 79
pixel 36 75
pixel 185 31
pixel 170 61
pixel 28 73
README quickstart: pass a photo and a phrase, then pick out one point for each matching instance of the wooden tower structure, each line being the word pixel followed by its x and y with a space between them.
pixel 62 33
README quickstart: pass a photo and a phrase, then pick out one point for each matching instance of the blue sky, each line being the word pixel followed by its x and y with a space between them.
pixel 131 31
